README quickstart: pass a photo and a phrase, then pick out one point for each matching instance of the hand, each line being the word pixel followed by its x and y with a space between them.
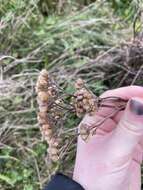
pixel 112 158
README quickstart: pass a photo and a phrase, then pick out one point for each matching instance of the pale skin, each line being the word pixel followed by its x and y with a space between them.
pixel 112 158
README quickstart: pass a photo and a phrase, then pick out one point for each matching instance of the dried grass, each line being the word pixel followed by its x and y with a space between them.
pixel 94 45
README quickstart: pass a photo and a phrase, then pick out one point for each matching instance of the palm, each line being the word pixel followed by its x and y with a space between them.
pixel 95 150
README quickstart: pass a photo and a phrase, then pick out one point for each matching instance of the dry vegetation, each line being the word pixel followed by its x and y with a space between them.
pixel 99 41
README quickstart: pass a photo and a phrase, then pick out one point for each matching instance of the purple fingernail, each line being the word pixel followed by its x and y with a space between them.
pixel 136 107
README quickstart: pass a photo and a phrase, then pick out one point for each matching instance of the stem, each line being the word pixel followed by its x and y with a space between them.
pixel 94 128
pixel 113 98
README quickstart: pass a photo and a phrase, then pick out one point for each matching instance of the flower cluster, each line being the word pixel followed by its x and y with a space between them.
pixel 84 131
pixel 45 93
pixel 85 101
pixel 54 107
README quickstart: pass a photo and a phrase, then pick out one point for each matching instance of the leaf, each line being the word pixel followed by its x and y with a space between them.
pixel 28 187
pixel 6 179
pixel 8 157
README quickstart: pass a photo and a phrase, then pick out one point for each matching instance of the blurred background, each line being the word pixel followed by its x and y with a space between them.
pixel 98 40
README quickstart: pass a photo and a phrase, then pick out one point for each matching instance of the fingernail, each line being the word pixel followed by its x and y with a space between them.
pixel 136 107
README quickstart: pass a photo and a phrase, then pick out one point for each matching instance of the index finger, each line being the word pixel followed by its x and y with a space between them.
pixel 125 93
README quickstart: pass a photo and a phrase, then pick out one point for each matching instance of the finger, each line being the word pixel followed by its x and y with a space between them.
pixel 135 179
pixel 105 126
pixel 125 93
pixel 124 139
pixel 118 116
pixel 138 152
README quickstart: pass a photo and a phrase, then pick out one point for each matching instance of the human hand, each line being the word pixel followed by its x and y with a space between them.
pixel 111 159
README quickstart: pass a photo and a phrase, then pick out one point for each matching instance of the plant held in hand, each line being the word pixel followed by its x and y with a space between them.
pixel 52 106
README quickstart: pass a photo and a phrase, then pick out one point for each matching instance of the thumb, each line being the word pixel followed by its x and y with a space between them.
pixel 126 136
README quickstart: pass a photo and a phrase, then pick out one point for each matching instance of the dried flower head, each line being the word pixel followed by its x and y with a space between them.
pixel 85 101
pixel 45 93
pixel 79 84
pixel 85 132
pixel 53 149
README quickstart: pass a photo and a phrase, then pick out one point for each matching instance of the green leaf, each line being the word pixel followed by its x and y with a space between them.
pixel 6 179
pixel 9 157
pixel 28 187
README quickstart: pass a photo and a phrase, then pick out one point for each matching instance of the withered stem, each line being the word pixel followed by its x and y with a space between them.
pixel 102 121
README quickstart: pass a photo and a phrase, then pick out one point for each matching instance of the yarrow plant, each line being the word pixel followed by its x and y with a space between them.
pixel 45 93
pixel 52 106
